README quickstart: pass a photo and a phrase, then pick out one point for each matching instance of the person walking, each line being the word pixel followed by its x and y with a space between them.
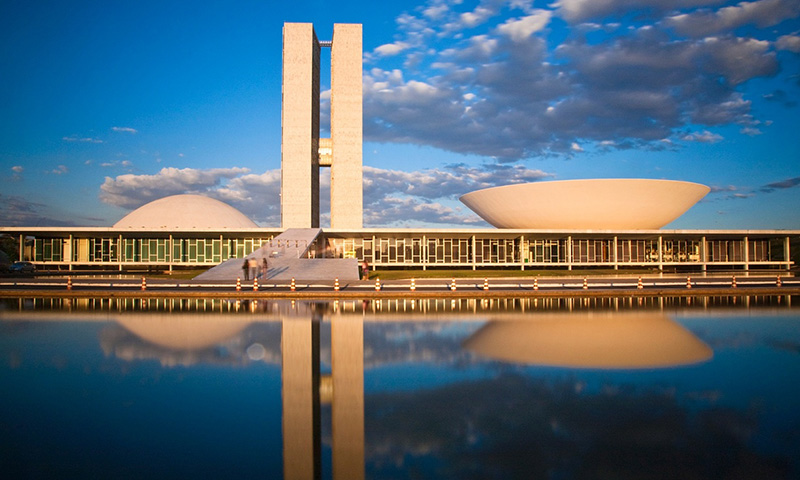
pixel 246 270
pixel 253 267
pixel 264 268
pixel 365 270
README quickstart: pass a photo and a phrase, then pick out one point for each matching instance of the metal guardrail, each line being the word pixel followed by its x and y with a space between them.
pixel 425 284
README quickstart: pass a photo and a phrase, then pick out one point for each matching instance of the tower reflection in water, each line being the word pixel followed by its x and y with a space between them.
pixel 185 339
pixel 601 340
pixel 300 346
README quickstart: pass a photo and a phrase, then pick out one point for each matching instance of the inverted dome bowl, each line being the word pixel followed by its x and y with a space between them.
pixel 598 204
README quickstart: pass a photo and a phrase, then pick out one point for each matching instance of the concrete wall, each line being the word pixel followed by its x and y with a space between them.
pixel 300 127
pixel 346 127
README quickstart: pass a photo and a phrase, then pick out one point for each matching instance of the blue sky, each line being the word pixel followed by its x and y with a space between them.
pixel 108 105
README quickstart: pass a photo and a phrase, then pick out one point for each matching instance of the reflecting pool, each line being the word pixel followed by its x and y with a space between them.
pixel 525 388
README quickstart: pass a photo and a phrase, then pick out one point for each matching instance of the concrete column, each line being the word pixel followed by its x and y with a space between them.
pixel 346 127
pixel 474 254
pixel 746 253
pixel 347 409
pixel 614 254
pixel 569 252
pixel 703 255
pixel 300 393
pixel 68 252
pixel 424 252
pixel 787 253
pixel 660 253
pixel 300 127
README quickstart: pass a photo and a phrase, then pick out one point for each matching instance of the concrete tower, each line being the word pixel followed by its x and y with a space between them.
pixel 300 142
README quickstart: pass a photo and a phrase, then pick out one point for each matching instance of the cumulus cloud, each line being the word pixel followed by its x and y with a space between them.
pixel 761 13
pixel 520 29
pixel 132 191
pixel 390 49
pixel 788 42
pixel 391 197
pixel 703 137
pixel 581 10
pixel 59 170
pixel 500 91
pixel 17 169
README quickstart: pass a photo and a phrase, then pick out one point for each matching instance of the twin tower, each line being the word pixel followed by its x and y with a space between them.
pixel 303 152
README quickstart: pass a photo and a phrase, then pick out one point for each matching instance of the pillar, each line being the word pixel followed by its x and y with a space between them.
pixel 300 127
pixel 346 127
pixel 746 253
pixel 787 253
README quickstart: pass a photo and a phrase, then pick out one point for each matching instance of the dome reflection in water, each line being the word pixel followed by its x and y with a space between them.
pixel 389 389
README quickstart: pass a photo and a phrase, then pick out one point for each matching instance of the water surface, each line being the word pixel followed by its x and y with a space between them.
pixel 558 388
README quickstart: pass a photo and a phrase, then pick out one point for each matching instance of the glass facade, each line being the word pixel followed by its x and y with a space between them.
pixel 418 249
pixel 119 250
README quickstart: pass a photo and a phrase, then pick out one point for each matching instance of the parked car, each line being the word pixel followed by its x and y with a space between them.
pixel 22 267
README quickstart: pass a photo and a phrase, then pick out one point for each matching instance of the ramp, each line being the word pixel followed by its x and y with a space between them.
pixel 285 257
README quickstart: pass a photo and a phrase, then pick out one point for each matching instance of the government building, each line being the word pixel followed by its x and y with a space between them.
pixel 579 224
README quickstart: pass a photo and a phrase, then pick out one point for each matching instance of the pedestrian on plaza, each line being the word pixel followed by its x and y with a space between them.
pixel 264 267
pixel 364 270
pixel 253 267
pixel 245 269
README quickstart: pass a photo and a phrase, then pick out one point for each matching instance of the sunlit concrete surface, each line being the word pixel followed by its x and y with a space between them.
pixel 302 153
pixel 286 257
pixel 185 211
pixel 300 127
pixel 603 204
pixel 346 127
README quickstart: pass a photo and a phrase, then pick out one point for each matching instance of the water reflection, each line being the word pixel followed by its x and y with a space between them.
pixel 427 306
pixel 466 389
pixel 605 340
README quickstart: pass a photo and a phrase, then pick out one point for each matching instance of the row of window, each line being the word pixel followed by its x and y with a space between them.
pixel 413 250
pixel 481 251
pixel 142 250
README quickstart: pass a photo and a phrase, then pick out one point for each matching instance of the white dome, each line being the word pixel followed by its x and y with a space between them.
pixel 598 204
pixel 185 211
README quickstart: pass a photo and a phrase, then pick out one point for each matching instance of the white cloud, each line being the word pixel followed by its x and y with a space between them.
pixel 435 12
pixel 520 29
pixel 17 169
pixel 81 139
pixel 788 42
pixel 390 49
pixel 581 10
pixel 750 131
pixel 131 191
pixel 703 137
pixel 391 197
pixel 476 17
pixel 60 170
pixel 761 13
pixel 124 129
